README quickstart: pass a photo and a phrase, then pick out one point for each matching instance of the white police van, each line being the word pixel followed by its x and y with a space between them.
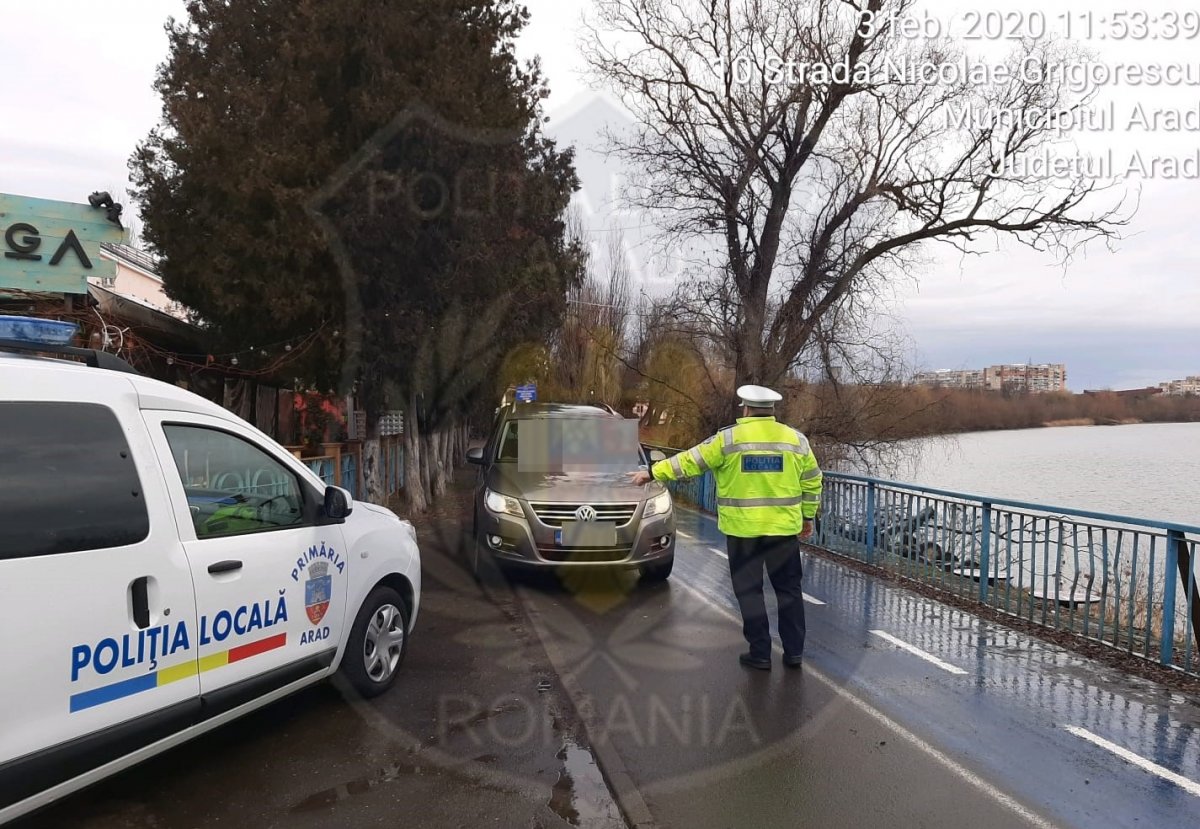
pixel 165 568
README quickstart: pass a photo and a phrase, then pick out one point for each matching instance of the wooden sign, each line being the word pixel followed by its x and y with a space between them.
pixel 53 246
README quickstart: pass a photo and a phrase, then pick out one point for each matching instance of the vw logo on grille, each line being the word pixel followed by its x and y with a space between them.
pixel 586 513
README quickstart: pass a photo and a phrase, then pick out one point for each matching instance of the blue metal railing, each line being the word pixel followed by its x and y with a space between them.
pixel 1128 583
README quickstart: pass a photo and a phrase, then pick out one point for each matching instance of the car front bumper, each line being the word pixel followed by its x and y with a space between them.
pixel 527 542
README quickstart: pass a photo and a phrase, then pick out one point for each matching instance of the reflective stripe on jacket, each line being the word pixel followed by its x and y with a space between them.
pixel 768 480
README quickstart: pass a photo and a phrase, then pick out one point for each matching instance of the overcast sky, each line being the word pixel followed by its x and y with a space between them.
pixel 78 96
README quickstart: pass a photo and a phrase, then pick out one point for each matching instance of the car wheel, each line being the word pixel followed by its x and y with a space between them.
pixel 479 558
pixel 474 550
pixel 658 572
pixel 484 566
pixel 378 642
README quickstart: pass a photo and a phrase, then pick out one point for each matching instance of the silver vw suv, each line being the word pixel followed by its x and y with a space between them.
pixel 553 492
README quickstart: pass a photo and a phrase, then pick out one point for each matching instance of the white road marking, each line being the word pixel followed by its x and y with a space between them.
pixel 721 553
pixel 883 719
pixel 1189 786
pixel 682 534
pixel 915 651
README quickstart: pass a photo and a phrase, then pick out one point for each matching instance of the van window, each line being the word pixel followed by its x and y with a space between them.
pixel 233 486
pixel 67 480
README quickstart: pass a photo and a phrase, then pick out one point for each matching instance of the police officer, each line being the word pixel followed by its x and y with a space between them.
pixel 768 493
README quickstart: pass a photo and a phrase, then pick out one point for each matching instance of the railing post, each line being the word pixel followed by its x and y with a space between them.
pixel 985 553
pixel 870 522
pixel 1166 650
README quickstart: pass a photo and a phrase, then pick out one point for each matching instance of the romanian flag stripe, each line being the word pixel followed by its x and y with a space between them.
pixel 255 648
pixel 214 660
pixel 165 676
pixel 108 693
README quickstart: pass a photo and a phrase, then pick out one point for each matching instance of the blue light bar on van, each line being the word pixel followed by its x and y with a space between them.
pixel 37 331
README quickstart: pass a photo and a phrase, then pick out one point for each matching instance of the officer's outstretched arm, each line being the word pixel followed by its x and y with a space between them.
pixel 690 462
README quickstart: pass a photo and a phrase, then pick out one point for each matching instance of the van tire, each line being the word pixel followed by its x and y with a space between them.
pixel 382 619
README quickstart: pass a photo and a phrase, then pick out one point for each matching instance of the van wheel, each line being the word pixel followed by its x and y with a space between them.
pixel 658 572
pixel 378 642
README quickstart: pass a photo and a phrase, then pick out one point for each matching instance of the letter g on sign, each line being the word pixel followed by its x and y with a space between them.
pixel 25 248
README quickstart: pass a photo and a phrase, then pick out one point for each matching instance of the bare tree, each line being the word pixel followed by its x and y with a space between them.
pixel 820 154
pixel 591 347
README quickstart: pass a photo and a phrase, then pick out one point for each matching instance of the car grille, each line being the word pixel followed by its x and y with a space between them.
pixel 553 515
pixel 582 555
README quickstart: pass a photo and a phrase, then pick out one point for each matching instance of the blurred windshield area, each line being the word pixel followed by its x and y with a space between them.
pixel 591 444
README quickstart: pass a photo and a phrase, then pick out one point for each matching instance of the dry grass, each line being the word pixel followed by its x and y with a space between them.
pixel 1147 615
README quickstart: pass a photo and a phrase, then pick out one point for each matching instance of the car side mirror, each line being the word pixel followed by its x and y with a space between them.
pixel 475 455
pixel 657 455
pixel 338 504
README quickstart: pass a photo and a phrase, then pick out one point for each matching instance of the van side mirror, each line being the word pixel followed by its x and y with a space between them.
pixel 338 504
pixel 657 455
pixel 475 455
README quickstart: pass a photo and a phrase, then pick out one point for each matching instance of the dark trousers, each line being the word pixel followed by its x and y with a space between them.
pixel 781 556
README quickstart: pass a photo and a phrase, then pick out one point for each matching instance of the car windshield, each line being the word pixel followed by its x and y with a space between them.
pixel 575 444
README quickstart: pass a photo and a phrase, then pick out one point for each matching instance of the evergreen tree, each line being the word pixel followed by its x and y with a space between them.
pixel 370 169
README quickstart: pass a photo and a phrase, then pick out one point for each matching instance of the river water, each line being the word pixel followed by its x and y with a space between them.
pixel 1146 471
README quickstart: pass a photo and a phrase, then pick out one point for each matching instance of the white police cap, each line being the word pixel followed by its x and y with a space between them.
pixel 758 396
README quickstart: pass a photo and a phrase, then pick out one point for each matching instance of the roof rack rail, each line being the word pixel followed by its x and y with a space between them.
pixel 93 358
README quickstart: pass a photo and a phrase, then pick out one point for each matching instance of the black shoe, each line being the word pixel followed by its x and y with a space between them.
pixel 793 661
pixel 758 664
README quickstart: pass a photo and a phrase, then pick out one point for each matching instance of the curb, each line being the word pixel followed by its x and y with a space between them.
pixel 616 776
pixel 612 768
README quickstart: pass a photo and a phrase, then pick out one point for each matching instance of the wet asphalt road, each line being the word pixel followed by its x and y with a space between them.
pixel 517 697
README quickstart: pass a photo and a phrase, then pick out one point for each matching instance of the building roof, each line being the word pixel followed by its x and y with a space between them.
pixel 133 256
pixel 173 331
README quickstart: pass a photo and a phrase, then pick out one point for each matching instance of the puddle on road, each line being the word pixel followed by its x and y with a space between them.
pixel 580 796
pixel 329 797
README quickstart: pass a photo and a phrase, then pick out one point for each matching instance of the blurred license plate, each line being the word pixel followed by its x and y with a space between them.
pixel 586 534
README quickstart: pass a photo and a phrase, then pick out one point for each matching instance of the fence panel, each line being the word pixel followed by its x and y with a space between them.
pixel 1128 583
pixel 350 466
pixel 322 467
pixel 346 470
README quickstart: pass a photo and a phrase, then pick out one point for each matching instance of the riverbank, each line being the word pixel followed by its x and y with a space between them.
pixel 857 415
pixel 1089 421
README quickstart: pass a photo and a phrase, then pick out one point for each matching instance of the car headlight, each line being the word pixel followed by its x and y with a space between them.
pixel 502 503
pixel 658 505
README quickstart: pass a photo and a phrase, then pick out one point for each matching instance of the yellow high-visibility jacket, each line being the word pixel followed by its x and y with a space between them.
pixel 768 480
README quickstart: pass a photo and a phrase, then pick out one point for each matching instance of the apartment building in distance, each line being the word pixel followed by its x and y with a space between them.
pixel 1047 377
pixel 1021 377
pixel 949 378
pixel 1188 385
